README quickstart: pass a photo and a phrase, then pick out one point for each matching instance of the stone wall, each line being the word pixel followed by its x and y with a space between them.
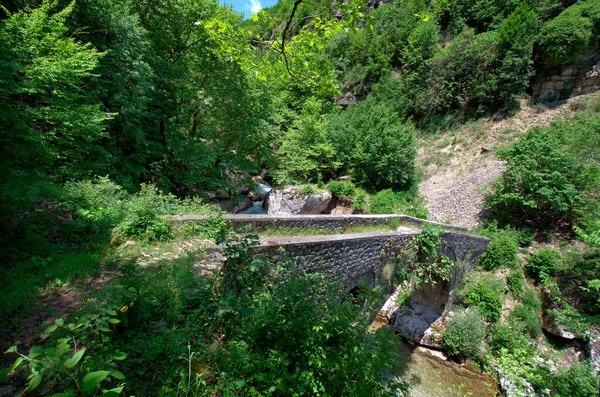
pixel 575 79
pixel 347 259
pixel 356 258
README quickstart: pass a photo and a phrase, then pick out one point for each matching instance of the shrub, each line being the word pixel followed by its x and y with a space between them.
pixel 545 260
pixel 541 186
pixel 304 153
pixel 570 34
pixel 506 336
pixel 528 319
pixel 577 381
pixel 516 281
pixel 384 202
pixel 389 202
pixel 465 334
pixel 532 300
pixel 501 252
pixel 341 188
pixel 485 292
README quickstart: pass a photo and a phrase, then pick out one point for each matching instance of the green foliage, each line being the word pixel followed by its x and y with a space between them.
pixel 465 334
pixel 421 260
pixel 501 252
pixel 543 261
pixel 342 188
pixel 374 147
pixel 485 292
pixel 48 123
pixel 574 31
pixel 515 281
pixel 528 319
pixel 541 186
pixel 305 154
pixel 579 380
pixel 80 370
pixel 507 337
pixel 384 202
pixel 407 203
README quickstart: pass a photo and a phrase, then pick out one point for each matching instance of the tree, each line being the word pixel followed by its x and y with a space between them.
pixel 49 124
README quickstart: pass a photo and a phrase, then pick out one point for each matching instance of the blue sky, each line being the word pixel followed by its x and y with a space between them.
pixel 249 7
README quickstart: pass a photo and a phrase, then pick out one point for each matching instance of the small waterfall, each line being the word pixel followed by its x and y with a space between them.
pixel 262 190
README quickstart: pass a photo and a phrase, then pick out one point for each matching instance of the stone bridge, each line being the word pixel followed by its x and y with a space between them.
pixel 369 259
pixel 358 258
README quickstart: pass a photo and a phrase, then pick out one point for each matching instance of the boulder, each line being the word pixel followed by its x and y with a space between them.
pixel 242 205
pixel 548 323
pixel 412 322
pixel 290 201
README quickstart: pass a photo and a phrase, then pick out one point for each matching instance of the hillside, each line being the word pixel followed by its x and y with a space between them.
pixel 458 164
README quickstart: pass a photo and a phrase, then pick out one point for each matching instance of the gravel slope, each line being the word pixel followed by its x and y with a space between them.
pixel 457 198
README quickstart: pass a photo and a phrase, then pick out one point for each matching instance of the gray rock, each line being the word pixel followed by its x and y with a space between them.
pixel 290 201
pixel 413 322
pixel 242 205
pixel 594 347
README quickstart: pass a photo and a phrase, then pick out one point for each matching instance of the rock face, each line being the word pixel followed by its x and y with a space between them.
pixel 412 322
pixel 579 78
pixel 290 201
pixel 595 348
pixel 548 323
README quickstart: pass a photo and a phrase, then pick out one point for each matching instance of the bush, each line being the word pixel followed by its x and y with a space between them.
pixel 545 260
pixel 515 281
pixel 341 188
pixel 374 146
pixel 531 299
pixel 541 186
pixel 384 202
pixel 485 292
pixel 465 334
pixel 570 34
pixel 506 336
pixel 501 252
pixel 577 381
pixel 528 319
pixel 407 203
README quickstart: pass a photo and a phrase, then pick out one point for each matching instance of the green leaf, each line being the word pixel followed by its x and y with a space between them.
pixel 113 392
pixel 114 321
pixel 50 329
pixel 103 329
pixel 71 362
pixel 119 355
pixel 93 379
pixel 12 349
pixel 35 381
pixel 60 322
pixel 16 364
pixel 4 373
pixel 35 351
pixel 117 375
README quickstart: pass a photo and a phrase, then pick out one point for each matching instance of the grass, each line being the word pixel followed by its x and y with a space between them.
pixel 274 231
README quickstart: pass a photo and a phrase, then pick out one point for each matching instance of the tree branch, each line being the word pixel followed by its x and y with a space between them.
pixel 285 30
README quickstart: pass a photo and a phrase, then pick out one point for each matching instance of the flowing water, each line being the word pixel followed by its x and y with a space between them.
pixel 429 375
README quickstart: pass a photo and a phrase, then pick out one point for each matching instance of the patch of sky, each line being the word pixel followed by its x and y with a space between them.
pixel 249 7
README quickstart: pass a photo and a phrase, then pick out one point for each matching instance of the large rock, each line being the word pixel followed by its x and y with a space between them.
pixel 548 323
pixel 290 201
pixel 412 322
